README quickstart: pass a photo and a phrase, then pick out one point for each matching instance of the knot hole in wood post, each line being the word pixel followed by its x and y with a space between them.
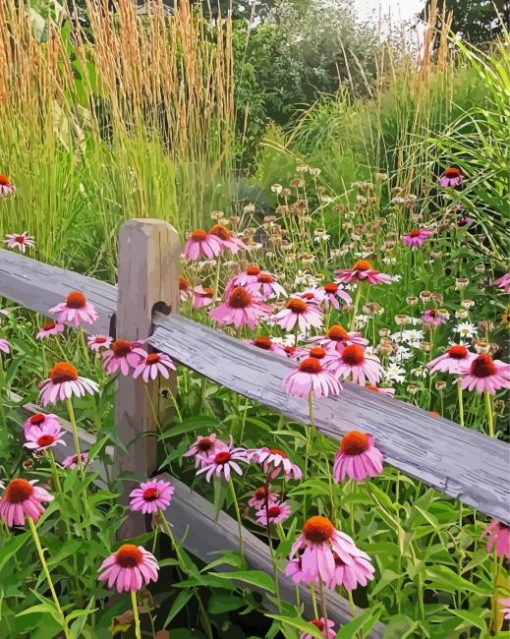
pixel 148 280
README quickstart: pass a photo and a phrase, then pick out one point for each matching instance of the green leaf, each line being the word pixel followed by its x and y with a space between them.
pixel 179 602
pixel 299 624
pixel 190 425
pixel 256 578
pixel 474 618
pixel 445 578
pixel 366 621
pixel 220 603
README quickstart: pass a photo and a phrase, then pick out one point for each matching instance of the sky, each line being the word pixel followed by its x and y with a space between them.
pixel 400 9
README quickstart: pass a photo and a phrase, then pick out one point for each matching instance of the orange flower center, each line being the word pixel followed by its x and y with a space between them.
pixel 318 529
pixel 265 278
pixel 220 231
pixel 20 239
pixel 121 347
pixel 337 333
pixel 297 305
pixel 204 444
pixel 4 180
pixel 45 440
pixel 100 340
pixel 414 233
pixel 331 288
pixel 151 494
pixel 317 352
pixel 263 342
pixel 289 349
pixel 183 283
pixel 206 292
pixel 18 491
pixel 239 298
pixel 353 355
pixel 432 312
pixel 199 235
pixel 372 387
pixel 37 419
pixel 153 358
pixel 48 326
pixel 253 269
pixel 76 299
pixel 354 443
pixel 128 556
pixel 277 451
pixel 362 265
pixel 318 623
pixel 260 493
pixel 274 511
pixel 483 366
pixel 451 172
pixel 222 458
pixel 308 296
pixel 63 372
pixel 311 365
pixel 458 352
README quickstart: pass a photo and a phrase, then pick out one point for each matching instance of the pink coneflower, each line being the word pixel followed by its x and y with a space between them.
pixel 362 271
pixel 337 338
pixel 351 575
pixel 503 283
pixel 451 177
pixel 75 309
pixel 46 435
pixel 294 570
pixel 275 514
pixel 50 328
pixel 202 244
pixel 266 344
pixel 229 242
pixel 203 448
pixel 241 308
pixel 71 462
pixel 22 499
pixel 4 346
pixel 258 499
pixel 274 461
pixel 455 358
pixel 312 296
pixel 151 496
pixel 20 242
pixel 63 383
pixel 184 288
pixel 498 538
pixel 378 389
pixel 223 462
pixel 357 458
pixel 484 374
pixel 334 293
pixel 153 365
pixel 249 276
pixel 354 362
pixel 505 607
pixel 297 311
pixel 41 420
pixel 432 318
pixel 311 376
pixel 325 626
pixel 6 187
pixel 202 296
pixel 99 342
pixel 122 356
pixel 266 286
pixel 416 238
pixel 317 547
pixel 130 568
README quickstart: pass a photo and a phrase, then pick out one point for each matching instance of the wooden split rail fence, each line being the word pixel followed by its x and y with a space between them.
pixel 459 462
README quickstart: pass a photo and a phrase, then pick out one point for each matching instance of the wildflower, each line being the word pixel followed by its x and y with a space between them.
pixel 363 271
pixel 153 365
pixel 326 627
pixel 228 241
pixel 485 374
pixel 202 296
pixel 20 242
pixel 241 308
pixel 22 499
pixel 432 318
pixel 122 356
pixel 394 373
pixel 266 286
pixel 129 568
pixel 75 309
pixel 337 338
pixel 223 461
pixel 258 500
pixel 354 362
pixel 266 344
pixel 298 311
pixel 45 435
pixel 203 448
pixel 309 377
pixel 334 293
pixel 294 570
pixel 498 538
pixel 151 496
pixel 4 346
pixel 6 187
pixel 505 604
pixel 274 461
pixel 452 361
pixel 503 283
pixel 200 243
pixel 451 177
pixel 317 546
pixel 71 462
pixel 97 342
pixel 63 383
pixel 249 276
pixel 357 457
pixel 184 288
pixel 349 575
pixel 275 514
pixel 41 420
pixel 416 238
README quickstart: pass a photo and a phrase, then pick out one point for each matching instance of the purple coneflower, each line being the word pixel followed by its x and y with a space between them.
pixel 46 435
pixel 337 338
pixel 241 308
pixel 503 283
pixel 63 383
pixel 357 458
pixel 202 244
pixel 6 187
pixel 151 496
pixel 222 462
pixel 274 461
pixel 275 513
pixel 122 356
pixel 50 328
pixel 334 293
pixel 416 238
pixel 20 242
pixel 484 374
pixel 153 365
pixel 354 362
pixel 75 310
pixel 299 312
pixel 266 286
pixel 451 177
pixel 455 358
pixel 363 271
pixel 325 626
pixel 99 342
pixel 498 538
pixel 229 242
pixel 129 569
pixel 22 499
pixel 311 377
pixel 202 296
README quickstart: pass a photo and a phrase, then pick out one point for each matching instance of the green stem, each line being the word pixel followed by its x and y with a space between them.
pixel 490 415
pixel 314 601
pixel 134 603
pixel 76 439
pixel 324 607
pixel 493 621
pixel 461 402
pixel 46 571
pixel 356 305
pixel 238 516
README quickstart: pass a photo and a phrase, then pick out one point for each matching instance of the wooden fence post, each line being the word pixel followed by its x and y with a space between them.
pixel 149 252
